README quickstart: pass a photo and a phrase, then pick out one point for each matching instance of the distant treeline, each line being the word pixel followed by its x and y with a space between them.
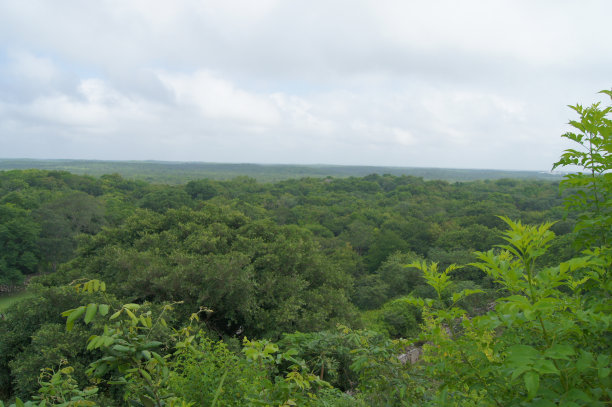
pixel 182 172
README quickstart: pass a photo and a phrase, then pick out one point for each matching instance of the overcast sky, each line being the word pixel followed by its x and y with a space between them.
pixel 458 84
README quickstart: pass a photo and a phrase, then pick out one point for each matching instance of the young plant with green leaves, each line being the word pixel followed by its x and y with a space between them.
pixel 132 358
pixel 58 388
pixel 545 342
pixel 591 190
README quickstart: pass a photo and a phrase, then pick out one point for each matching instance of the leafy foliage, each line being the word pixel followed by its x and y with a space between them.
pixel 258 277
pixel 18 249
pixel 591 194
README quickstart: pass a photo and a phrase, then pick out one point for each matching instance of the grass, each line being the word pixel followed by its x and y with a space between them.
pixel 6 300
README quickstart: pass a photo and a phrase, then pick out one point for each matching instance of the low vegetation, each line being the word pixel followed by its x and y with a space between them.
pixel 7 300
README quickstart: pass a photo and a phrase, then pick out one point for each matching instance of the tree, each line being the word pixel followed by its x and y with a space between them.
pixel 62 220
pixel 202 189
pixel 18 249
pixel 591 191
pixel 162 198
pixel 258 277
pixel 21 324
pixel 400 279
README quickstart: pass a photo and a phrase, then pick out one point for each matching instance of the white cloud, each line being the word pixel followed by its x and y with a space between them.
pixel 216 98
pixel 300 115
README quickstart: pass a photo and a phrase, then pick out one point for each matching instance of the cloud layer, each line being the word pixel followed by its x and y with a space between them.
pixel 469 84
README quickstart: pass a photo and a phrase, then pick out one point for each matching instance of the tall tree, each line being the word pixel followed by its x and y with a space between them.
pixel 18 249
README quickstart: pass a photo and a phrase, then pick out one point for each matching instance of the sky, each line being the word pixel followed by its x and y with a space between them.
pixel 450 84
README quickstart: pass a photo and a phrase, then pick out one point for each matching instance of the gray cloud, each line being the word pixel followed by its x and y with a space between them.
pixel 448 84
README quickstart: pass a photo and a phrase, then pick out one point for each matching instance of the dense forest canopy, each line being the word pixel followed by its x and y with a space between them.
pixel 375 215
pixel 310 291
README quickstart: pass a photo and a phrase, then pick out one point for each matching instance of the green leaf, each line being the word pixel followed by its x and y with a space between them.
pixel 547 304
pixel 132 316
pixel 545 366
pixel 418 302
pixel 270 348
pixel 603 360
pixel 158 357
pixel 165 372
pixel 560 351
pixel 576 394
pixel 251 353
pixel 532 383
pixel 90 313
pixel 94 342
pixel 522 355
pixel 462 294
pixel 519 370
pixel 152 344
pixel 103 309
pixel 122 348
pixel 144 374
pixel 146 401
pixel 101 370
pixel 585 361
pixel 74 315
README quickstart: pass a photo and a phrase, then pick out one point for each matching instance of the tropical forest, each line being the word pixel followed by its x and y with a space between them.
pixel 369 290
